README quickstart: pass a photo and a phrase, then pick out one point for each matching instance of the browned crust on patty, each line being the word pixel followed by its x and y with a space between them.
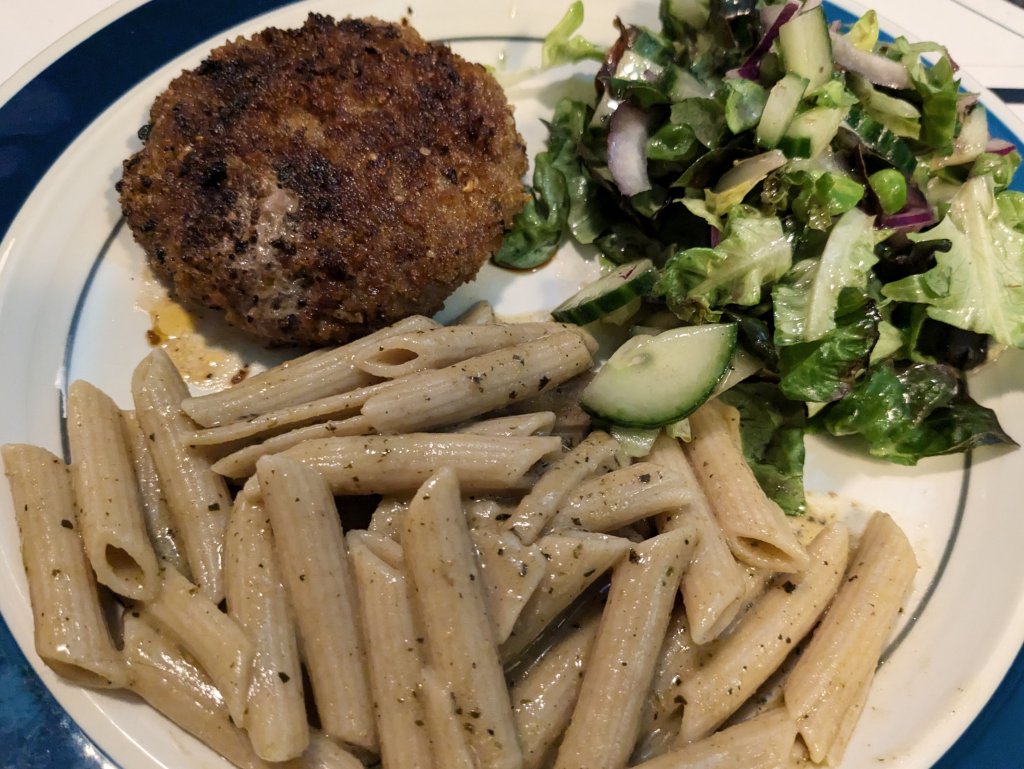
pixel 321 182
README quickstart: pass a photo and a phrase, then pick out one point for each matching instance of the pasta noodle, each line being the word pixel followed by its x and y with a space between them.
pixel 844 651
pixel 544 693
pixel 166 543
pixel 487 382
pixel 450 603
pixel 408 353
pixel 394 464
pixel 394 655
pixel 575 560
pixel 510 571
pixel 606 720
pixel 713 585
pixel 754 526
pixel 311 546
pixel 257 601
pixel 197 497
pixel 71 634
pixel 765 636
pixel 110 514
pixel 313 376
pixel 216 641
pixel 622 497
pixel 596 453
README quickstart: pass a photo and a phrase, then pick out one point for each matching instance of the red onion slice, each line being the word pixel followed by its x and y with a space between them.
pixel 876 68
pixel 908 221
pixel 1000 147
pixel 914 216
pixel 627 149
pixel 751 68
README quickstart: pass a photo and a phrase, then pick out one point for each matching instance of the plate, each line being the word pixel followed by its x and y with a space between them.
pixel 73 305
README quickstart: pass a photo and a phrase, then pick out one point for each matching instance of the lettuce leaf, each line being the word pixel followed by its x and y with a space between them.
pixel 978 285
pixel 916 412
pixel 826 369
pixel 772 432
pixel 698 282
pixel 806 300
pixel 561 46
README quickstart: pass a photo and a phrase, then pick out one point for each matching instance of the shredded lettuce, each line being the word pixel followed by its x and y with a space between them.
pixel 937 88
pixel 561 46
pixel 754 252
pixel 807 298
pixel 907 414
pixel 826 369
pixel 979 283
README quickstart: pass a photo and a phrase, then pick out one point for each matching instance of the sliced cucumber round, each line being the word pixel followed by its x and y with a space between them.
pixel 652 381
pixel 608 294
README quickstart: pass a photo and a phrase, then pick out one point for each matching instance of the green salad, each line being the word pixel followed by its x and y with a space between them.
pixel 791 202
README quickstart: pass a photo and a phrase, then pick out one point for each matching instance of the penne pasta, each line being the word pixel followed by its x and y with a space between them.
pixel 765 742
pixel 70 632
pixel 476 314
pixel 242 463
pixel 215 640
pixel 575 560
pixel 394 655
pixel 110 515
pixel 544 693
pixel 844 651
pixel 622 497
pixel 713 585
pixel 396 464
pixel 754 526
pixel 166 542
pixel 169 680
pixel 198 498
pixel 597 453
pixel 531 423
pixel 511 572
pixel 408 353
pixel 450 604
pixel 231 437
pixel 313 376
pixel 448 737
pixel 387 517
pixel 311 547
pixel 606 721
pixel 465 390
pixel 779 620
pixel 256 599
pixel 680 656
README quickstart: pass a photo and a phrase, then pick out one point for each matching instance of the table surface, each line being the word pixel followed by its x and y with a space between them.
pixel 985 37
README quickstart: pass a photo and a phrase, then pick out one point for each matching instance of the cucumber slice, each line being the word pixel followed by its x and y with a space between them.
pixel 652 381
pixel 780 109
pixel 608 294
pixel 882 141
pixel 811 132
pixel 807 48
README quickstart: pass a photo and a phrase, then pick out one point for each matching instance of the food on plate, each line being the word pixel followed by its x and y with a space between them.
pixel 828 192
pixel 318 183
pixel 513 600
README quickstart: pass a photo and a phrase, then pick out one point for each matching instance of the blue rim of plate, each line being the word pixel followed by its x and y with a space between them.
pixel 36 125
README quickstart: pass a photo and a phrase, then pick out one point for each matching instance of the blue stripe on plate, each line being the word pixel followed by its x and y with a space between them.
pixel 45 116
pixel 36 126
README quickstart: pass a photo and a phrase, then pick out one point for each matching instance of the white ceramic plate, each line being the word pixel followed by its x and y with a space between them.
pixel 73 300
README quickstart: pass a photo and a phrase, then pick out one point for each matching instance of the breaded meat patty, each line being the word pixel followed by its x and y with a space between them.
pixel 318 183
